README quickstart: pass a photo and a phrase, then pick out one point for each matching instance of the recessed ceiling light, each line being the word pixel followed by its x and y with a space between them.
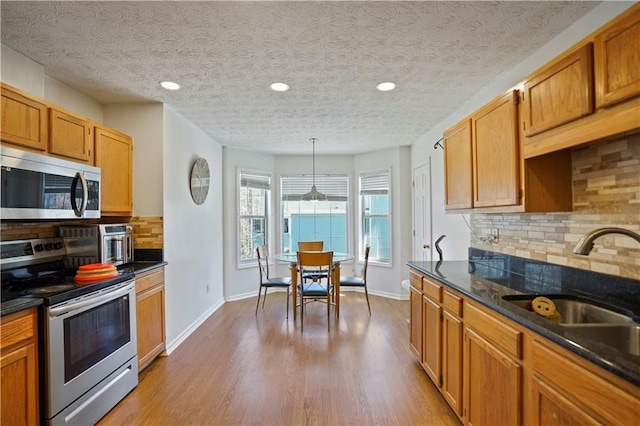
pixel 386 86
pixel 170 85
pixel 279 87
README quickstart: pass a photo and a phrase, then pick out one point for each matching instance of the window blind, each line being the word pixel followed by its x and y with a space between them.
pixel 374 183
pixel 335 187
pixel 255 181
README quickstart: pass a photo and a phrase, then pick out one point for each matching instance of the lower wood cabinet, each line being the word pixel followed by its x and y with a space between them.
pixel 150 315
pixel 494 371
pixel 19 369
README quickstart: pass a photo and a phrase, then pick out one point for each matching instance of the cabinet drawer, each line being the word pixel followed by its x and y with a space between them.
pixel 149 279
pixel 495 330
pixel 452 303
pixel 18 327
pixel 416 280
pixel 607 400
pixel 432 289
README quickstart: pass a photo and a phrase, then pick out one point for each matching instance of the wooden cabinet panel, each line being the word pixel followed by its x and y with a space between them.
pixel 69 135
pixel 452 369
pixel 431 327
pixel 607 401
pixel 551 408
pixel 560 93
pixel 150 315
pixel 415 321
pixel 432 289
pixel 496 329
pixel 25 121
pixel 415 280
pixel 617 60
pixel 19 369
pixel 457 165
pixel 114 155
pixel 496 158
pixel 493 383
pixel 150 325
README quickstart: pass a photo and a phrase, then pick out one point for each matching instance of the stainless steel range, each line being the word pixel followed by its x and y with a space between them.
pixel 89 353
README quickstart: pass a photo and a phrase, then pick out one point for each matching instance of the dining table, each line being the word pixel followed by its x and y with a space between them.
pixel 292 259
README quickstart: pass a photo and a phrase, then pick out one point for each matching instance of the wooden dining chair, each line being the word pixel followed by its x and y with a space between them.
pixel 266 280
pixel 311 246
pixel 359 281
pixel 317 288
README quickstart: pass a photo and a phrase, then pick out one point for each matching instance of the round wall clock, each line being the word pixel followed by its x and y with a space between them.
pixel 199 182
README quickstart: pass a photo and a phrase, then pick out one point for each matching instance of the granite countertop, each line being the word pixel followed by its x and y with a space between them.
pixel 487 285
pixel 138 267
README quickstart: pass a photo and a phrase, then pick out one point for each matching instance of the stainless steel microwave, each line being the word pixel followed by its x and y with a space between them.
pixel 35 186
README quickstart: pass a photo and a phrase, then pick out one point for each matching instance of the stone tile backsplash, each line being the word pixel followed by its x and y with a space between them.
pixel 606 192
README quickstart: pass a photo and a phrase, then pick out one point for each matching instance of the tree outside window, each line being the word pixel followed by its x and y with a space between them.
pixel 253 208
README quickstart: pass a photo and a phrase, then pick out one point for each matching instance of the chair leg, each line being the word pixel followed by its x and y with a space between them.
pixel 265 296
pixel 258 303
pixel 366 293
pixel 328 312
pixel 301 313
pixel 287 292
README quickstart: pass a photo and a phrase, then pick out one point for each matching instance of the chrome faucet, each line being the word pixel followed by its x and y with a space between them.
pixel 585 245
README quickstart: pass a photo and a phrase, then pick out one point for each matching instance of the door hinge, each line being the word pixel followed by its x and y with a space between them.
pixel 520 193
pixel 524 125
pixel 414 232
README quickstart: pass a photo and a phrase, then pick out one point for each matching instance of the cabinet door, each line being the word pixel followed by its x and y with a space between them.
pixel 150 324
pixel 550 407
pixel 24 120
pixel 19 387
pixel 560 93
pixel 432 346
pixel 493 384
pixel 452 332
pixel 69 135
pixel 457 166
pixel 496 157
pixel 617 61
pixel 114 155
pixel 415 322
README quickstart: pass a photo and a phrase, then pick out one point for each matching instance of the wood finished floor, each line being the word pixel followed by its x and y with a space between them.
pixel 240 369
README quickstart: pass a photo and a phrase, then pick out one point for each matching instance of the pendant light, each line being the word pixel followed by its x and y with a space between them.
pixel 314 195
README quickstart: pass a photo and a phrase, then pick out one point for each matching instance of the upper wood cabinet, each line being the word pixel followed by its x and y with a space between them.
pixel 70 135
pixel 24 120
pixel 114 155
pixel 496 155
pixel 559 93
pixel 457 166
pixel 617 60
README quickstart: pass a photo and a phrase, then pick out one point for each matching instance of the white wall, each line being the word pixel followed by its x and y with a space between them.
pixel 21 72
pixel 193 234
pixel 144 123
pixel 452 225
pixel 242 282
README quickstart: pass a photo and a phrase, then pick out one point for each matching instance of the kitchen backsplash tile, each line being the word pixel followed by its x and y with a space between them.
pixel 148 232
pixel 606 192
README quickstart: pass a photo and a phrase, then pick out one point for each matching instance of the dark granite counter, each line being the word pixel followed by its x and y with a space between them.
pixel 138 267
pixel 487 277
pixel 16 305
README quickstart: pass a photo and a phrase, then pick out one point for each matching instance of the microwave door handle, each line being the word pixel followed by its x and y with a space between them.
pixel 85 194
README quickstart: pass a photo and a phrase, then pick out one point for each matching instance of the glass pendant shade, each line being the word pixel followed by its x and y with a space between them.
pixel 314 195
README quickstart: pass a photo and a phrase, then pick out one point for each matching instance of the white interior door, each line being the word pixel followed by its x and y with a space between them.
pixel 422 213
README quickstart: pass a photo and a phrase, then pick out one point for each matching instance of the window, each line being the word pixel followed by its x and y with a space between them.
pixel 253 208
pixel 375 220
pixel 321 220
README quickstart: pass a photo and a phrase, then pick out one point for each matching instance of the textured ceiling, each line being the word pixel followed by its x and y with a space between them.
pixel 225 55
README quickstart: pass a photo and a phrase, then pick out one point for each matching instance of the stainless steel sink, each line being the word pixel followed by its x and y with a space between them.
pixel 576 311
pixel 623 337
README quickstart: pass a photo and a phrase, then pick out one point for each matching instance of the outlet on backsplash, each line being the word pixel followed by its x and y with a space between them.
pixel 492 238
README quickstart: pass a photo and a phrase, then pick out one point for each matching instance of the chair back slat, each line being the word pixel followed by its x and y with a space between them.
pixel 262 253
pixel 316 262
pixel 310 245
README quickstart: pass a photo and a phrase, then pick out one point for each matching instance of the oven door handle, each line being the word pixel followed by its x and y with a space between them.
pixel 89 302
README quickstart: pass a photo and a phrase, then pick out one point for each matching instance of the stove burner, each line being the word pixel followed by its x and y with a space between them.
pixel 50 289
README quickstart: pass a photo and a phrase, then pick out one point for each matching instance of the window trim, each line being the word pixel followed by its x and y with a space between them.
pixel 318 180
pixel 361 217
pixel 269 229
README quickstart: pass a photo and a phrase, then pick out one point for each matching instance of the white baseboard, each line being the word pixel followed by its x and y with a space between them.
pixel 197 323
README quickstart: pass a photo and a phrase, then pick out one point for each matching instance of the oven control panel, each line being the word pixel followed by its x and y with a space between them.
pixel 21 252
